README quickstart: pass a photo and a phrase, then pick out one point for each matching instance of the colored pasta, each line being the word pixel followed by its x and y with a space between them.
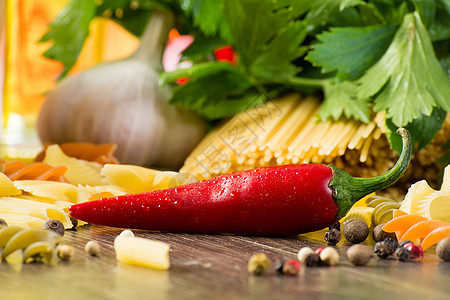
pixel 19 170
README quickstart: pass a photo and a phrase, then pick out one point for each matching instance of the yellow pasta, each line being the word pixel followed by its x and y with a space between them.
pixel 25 221
pixel 282 131
pixel 36 244
pixel 59 191
pixel 142 252
pixel 78 171
pixel 7 187
pixel 423 200
pixel 139 179
pixel 33 208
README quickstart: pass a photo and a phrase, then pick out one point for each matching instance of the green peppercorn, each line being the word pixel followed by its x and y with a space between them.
pixel 258 264
pixel 55 225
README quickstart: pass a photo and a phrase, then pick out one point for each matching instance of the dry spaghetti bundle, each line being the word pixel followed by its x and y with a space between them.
pixel 287 131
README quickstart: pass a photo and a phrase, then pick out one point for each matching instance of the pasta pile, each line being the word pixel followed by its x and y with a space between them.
pixel 29 203
pixel 285 131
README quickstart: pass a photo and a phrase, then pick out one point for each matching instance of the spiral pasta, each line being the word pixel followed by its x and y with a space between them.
pixel 36 244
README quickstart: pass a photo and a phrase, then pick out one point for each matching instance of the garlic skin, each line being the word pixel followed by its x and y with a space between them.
pixel 122 102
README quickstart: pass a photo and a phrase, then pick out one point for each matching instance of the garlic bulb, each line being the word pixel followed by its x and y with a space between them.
pixel 122 102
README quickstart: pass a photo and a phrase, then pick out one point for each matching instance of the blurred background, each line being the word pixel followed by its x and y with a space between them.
pixel 26 76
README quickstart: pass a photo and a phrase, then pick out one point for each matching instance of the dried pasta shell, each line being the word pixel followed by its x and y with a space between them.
pixel 7 187
pixel 359 212
pixel 26 237
pixel 53 190
pixel 138 179
pixel 78 171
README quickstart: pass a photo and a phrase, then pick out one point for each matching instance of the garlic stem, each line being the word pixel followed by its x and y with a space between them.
pixel 154 38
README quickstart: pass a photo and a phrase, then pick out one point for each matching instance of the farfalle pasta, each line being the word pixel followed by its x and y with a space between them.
pixel 7 187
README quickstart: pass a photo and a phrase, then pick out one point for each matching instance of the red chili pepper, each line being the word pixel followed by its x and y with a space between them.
pixel 269 201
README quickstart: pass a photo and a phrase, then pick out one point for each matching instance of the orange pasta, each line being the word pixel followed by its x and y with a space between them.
pixel 422 229
pixel 435 236
pixel 18 170
pixel 100 153
pixel 401 224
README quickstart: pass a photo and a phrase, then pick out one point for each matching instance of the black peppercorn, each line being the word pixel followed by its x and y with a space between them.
pixel 380 235
pixel 3 222
pixel 403 254
pixel 385 248
pixel 313 260
pixel 332 236
pixel 55 225
pixel 336 226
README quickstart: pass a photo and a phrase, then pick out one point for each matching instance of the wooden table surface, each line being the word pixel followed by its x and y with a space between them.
pixel 214 267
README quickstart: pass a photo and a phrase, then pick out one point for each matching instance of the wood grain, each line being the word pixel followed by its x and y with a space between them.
pixel 214 267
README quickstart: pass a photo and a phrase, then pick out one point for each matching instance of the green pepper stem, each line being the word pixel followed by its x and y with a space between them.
pixel 347 190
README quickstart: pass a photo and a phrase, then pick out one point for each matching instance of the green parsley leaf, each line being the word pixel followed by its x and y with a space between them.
pixel 253 24
pixel 285 45
pixel 209 17
pixel 408 80
pixel 351 50
pixel 68 32
pixel 422 130
pixel 340 98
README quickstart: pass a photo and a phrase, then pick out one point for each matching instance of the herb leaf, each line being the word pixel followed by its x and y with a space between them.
pixel 68 32
pixel 351 50
pixel 340 98
pixel 408 80
pixel 424 124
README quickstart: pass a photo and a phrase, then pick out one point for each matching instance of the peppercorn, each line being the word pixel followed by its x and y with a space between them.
pixel 55 225
pixel 380 235
pixel 443 249
pixel 403 254
pixel 3 222
pixel 336 226
pixel 359 255
pixel 312 260
pixel 332 236
pixel 329 256
pixel 356 231
pixel 415 250
pixel 65 252
pixel 291 267
pixel 258 264
pixel 92 248
pixel 385 248
pixel 303 253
